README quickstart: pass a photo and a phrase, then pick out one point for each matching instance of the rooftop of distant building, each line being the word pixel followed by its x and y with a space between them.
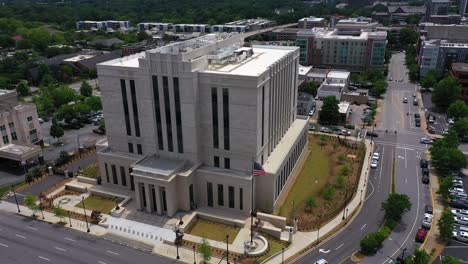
pixel 460 67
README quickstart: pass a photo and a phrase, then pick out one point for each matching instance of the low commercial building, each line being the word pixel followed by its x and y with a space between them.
pixel 19 130
pixel 343 109
pixel 186 121
pixel 337 77
pixel 317 75
pixel 460 71
pixel 305 103
pixel 326 90
pixel 284 34
pixel 331 48
pixel 311 22
pixel 439 55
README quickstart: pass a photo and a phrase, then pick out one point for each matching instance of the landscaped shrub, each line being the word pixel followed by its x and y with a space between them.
pixel 372 242
pixel 328 192
pixel 63 158
pixel 345 170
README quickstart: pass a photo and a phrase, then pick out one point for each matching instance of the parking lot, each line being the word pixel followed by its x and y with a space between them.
pixel 440 119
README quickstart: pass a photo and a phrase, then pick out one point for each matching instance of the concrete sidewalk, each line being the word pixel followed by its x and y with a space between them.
pixel 302 240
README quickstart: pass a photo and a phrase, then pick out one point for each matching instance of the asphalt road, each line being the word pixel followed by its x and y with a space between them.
pixel 404 149
pixel 25 240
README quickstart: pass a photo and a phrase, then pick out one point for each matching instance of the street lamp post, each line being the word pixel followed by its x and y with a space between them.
pixel 282 255
pixel 177 249
pixel 318 234
pixel 42 212
pixel 16 199
pixel 69 218
pixel 86 217
pixel 347 213
pixel 194 257
pixel 360 199
pixel 344 204
pixel 227 249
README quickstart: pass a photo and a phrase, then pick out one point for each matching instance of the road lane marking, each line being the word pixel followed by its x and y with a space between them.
pixel 406 161
pixel 3 245
pixel 100 262
pixel 41 257
pixel 363 226
pixel 381 165
pixel 370 182
pixel 113 252
pixel 23 237
pixel 339 246
pixel 31 228
pixel 398 109
pixel 69 239
pixel 61 249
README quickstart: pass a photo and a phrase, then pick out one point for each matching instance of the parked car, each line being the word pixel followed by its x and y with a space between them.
pixel 372 134
pixel 417 122
pixel 456 190
pixel 415 101
pixel 460 195
pixel 421 235
pixel 405 100
pixel 425 140
pixel 462 236
pixel 374 164
pixel 431 119
pixel 427 221
pixel 458 204
pixel 428 209
pixel 450 121
pixel 99 131
pixel 41 121
pixel 417 116
pixel 344 132
pixel 325 130
pixel 462 220
pixel 460 212
pixel 423 163
pixel 425 179
pixel 425 171
pixel 376 156
pixel 321 261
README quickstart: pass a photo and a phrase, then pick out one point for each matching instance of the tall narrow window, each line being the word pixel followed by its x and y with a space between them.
pixel 214 116
pixel 130 147
pixel 216 161
pixel 107 172
pixel 209 193
pixel 132 180
pixel 114 174
pixel 123 177
pixel 123 88
pixel 226 118
pixel 231 197
pixel 220 195
pixel 263 115
pixel 241 199
pixel 180 142
pixel 168 114
pixel 157 109
pixel 135 108
pixel 139 149
pixel 227 163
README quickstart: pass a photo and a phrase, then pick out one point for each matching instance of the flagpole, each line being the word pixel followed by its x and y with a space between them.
pixel 252 206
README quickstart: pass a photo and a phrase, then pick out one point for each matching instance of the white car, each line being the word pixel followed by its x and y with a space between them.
pixel 405 100
pixel 311 112
pixel 450 121
pixel 425 140
pixel 427 221
pixel 40 120
pixel 374 164
pixel 325 130
pixel 376 156
pixel 462 236
pixel 321 261
pixel 460 212
pixel 456 190
pixel 462 220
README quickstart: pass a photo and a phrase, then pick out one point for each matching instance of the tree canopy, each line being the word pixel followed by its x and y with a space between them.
pixel 458 109
pixel 329 113
pixel 445 225
pixel 396 206
pixel 446 92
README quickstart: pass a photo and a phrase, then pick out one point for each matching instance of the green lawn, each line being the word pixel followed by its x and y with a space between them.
pixel 274 246
pixel 310 181
pixel 97 203
pixel 213 231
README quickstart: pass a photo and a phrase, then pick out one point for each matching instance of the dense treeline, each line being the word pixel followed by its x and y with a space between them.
pixel 174 11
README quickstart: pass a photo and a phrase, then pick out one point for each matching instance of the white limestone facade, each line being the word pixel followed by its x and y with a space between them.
pixel 186 121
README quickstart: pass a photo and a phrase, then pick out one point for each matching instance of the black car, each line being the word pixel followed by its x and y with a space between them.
pixel 417 122
pixel 428 209
pixel 417 116
pixel 423 163
pixel 459 204
pixel 425 172
pixel 99 131
pixel 425 179
pixel 372 134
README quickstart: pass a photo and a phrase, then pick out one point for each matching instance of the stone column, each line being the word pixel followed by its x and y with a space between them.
pixel 148 198
pixel 138 195
pixel 158 200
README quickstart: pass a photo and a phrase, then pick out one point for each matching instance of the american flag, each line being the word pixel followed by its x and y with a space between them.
pixel 258 170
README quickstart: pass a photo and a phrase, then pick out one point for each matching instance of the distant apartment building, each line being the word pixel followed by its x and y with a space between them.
pixel 311 22
pixel 253 24
pixel 284 33
pixel 202 28
pixel 186 121
pixel 460 71
pixel 113 24
pixel 332 48
pixel 354 26
pixel 19 129
pixel 155 25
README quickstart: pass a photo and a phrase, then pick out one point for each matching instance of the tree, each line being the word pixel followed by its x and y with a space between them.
pixel 460 127
pixel 446 91
pixel 29 177
pixel 458 110
pixel 66 112
pixel 56 130
pixel 23 89
pixel 86 89
pixel 341 158
pixel 396 206
pixel 46 80
pixel 408 37
pixel 311 203
pixel 205 250
pixel 379 88
pixel 372 242
pixel 445 155
pixel 141 35
pixel 94 102
pixel 328 192
pixel 449 260
pixel 445 225
pixel 310 88
pixel 429 80
pixel 445 183
pixel 345 170
pixel 31 202
pixel 420 256
pixel 329 113
pixel 60 213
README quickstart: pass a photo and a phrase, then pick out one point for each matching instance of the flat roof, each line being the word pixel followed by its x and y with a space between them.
pixel 303 70
pixel 79 58
pixel 338 74
pixel 343 107
pixel 158 165
pixel 462 67
pixel 262 58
